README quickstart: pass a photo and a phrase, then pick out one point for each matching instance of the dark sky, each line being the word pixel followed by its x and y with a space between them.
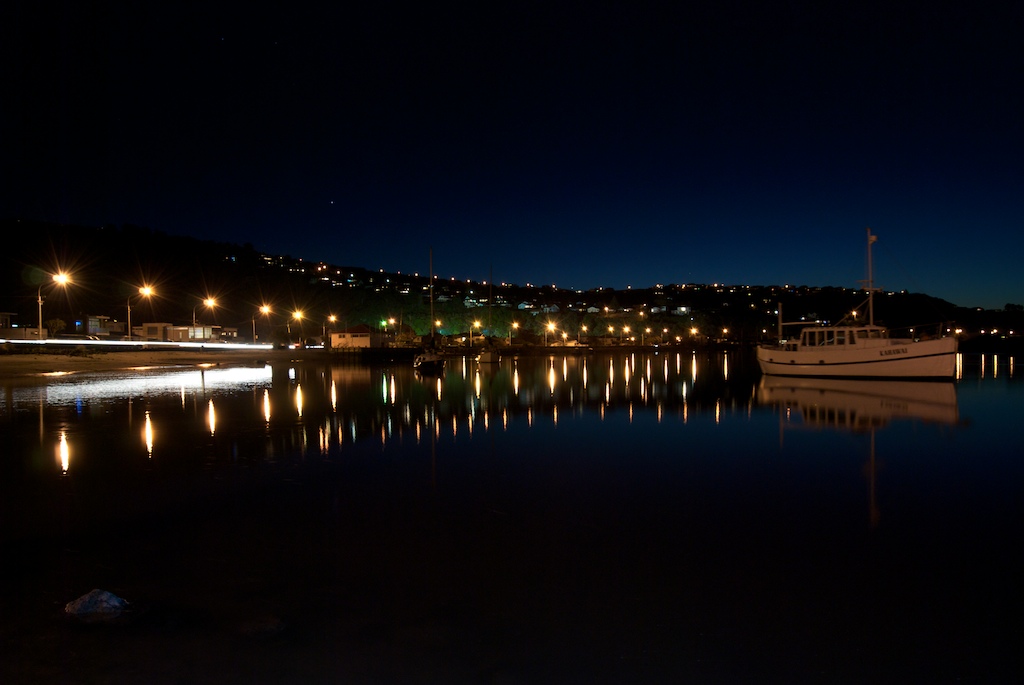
pixel 586 144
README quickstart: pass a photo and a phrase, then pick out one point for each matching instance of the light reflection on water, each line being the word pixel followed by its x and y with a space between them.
pixel 332 406
pixel 610 403
pixel 838 509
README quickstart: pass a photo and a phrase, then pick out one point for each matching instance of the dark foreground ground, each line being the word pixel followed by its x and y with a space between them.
pixel 327 575
pixel 380 574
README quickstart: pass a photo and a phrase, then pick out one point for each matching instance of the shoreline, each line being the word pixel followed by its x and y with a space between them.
pixel 33 365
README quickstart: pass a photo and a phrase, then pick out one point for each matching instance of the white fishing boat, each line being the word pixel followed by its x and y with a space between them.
pixel 851 350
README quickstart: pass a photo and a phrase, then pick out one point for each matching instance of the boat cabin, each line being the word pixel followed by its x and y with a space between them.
pixel 835 336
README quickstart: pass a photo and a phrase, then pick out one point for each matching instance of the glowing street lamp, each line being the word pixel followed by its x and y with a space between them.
pixel 296 316
pixel 476 324
pixel 209 302
pixel 331 319
pixel 145 291
pixel 61 279
pixel 515 327
pixel 265 310
pixel 549 329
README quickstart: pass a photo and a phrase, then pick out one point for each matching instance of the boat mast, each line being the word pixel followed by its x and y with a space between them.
pixel 430 292
pixel 870 281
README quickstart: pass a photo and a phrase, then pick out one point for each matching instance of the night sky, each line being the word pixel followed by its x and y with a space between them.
pixel 590 144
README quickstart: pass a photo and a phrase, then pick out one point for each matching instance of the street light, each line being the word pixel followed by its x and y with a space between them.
pixel 145 291
pixel 265 309
pixel 476 324
pixel 297 315
pixel 515 327
pixel 550 329
pixel 209 302
pixel 330 319
pixel 59 279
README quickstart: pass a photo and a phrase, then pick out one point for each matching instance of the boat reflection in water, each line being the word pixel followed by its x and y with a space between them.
pixel 860 406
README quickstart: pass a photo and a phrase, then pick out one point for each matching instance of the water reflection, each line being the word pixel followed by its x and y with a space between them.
pixel 859 406
pixel 64 453
pixel 147 435
pixel 328 407
pixel 608 491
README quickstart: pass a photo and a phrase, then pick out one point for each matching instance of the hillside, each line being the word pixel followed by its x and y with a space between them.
pixel 108 265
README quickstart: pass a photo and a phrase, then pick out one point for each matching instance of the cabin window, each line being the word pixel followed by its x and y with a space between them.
pixel 840 337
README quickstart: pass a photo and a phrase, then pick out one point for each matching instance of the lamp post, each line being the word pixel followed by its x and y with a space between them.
pixel 515 326
pixel 145 291
pixel 59 279
pixel 297 315
pixel 209 302
pixel 330 319
pixel 549 329
pixel 476 324
pixel 265 309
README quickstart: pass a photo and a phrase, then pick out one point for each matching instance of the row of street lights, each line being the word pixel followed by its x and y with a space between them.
pixel 146 291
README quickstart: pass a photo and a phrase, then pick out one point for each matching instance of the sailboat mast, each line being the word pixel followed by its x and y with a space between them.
pixel 430 293
pixel 871 282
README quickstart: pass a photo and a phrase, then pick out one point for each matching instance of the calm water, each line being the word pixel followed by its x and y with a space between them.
pixel 603 518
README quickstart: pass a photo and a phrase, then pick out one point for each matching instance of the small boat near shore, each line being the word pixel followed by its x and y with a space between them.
pixel 428 362
pixel 489 355
pixel 849 350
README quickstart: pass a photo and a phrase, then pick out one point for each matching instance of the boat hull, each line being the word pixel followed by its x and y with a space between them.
pixel 900 359
pixel 428 363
